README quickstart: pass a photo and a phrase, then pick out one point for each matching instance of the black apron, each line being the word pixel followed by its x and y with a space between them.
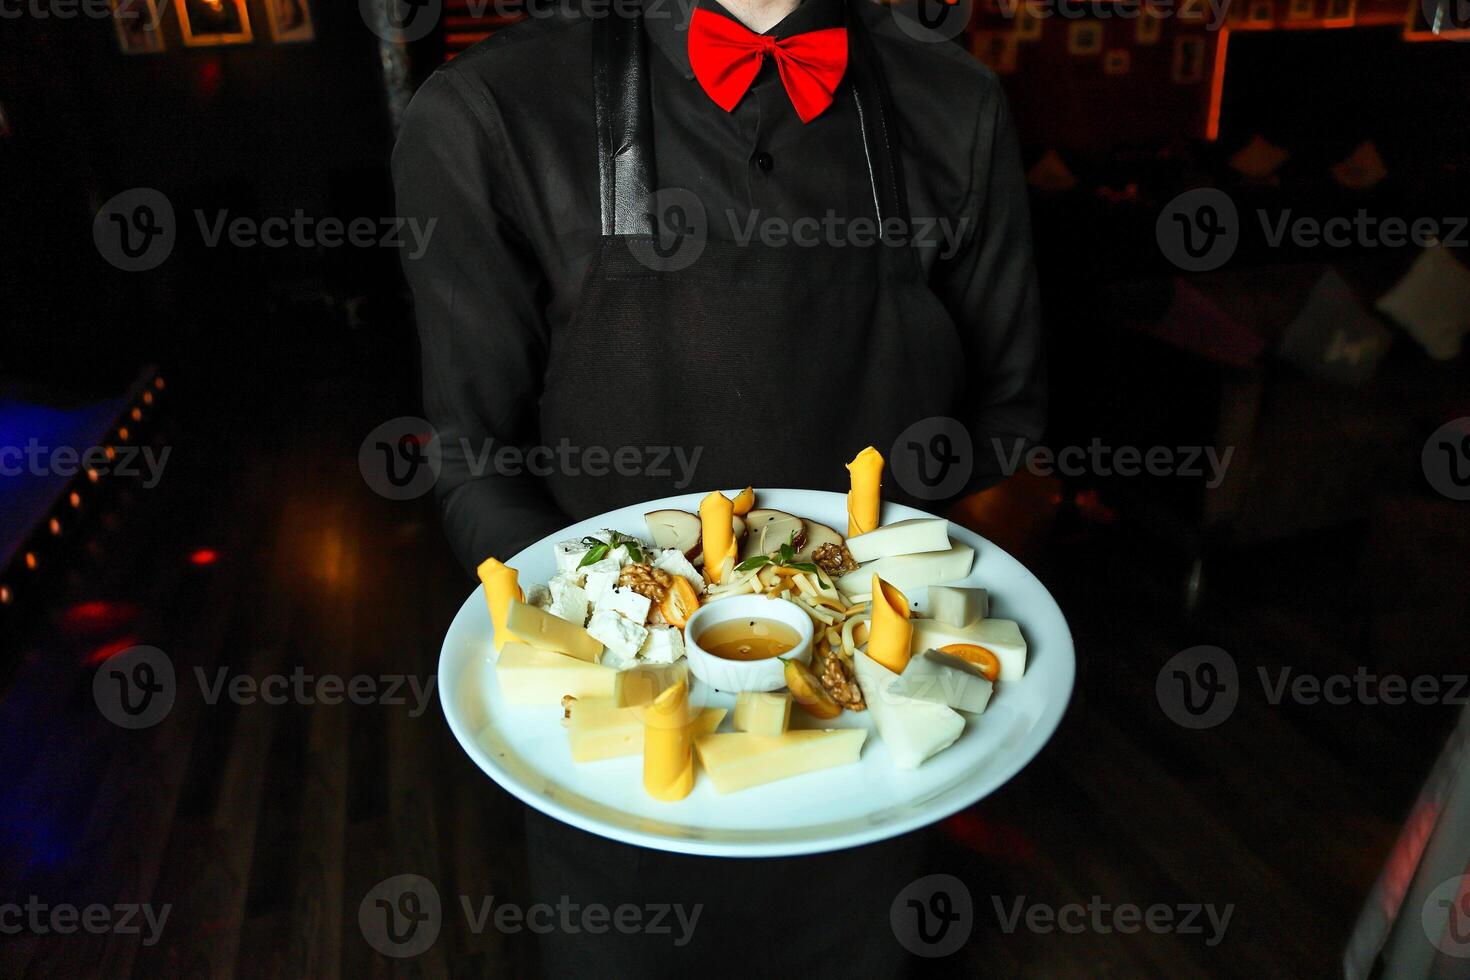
pixel 776 364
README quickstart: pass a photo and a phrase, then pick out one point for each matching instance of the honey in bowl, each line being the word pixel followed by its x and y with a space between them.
pixel 749 639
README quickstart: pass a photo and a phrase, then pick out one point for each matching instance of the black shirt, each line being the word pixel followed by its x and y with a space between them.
pixel 499 149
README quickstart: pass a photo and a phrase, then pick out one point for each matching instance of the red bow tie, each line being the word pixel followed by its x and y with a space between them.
pixel 726 57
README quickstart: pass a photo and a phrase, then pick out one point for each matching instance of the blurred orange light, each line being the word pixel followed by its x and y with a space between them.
pixel 31 560
pixel 55 526
pixel 123 433
pixel 204 556
pixel 147 398
pixel 76 499
pixel 92 474
pixel 137 414
pixel 5 595
pixel 158 382
pixel 111 454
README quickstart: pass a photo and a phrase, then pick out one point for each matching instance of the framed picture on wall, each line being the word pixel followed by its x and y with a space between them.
pixel 290 21
pixel 210 22
pixel 136 23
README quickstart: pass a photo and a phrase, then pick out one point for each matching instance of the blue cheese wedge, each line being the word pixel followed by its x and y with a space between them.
pixel 620 636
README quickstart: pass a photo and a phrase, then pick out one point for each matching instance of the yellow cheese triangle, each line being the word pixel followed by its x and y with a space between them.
pixel 501 586
pixel 716 525
pixel 668 745
pixel 864 499
pixel 892 633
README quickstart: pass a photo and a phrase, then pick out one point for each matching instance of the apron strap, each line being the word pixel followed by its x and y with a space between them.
pixel 624 124
pixel 625 171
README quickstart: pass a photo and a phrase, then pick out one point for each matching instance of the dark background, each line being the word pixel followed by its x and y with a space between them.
pixel 1327 550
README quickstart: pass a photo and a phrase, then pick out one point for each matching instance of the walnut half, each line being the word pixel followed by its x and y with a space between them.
pixel 834 559
pixel 838 679
pixel 651 583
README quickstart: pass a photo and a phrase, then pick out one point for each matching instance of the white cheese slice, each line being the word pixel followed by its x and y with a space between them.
pixel 1001 637
pixel 624 600
pixel 945 679
pixel 664 645
pixel 672 560
pixel 909 572
pixel 620 635
pixel 568 601
pixel 956 605
pixel 913 536
pixel 913 729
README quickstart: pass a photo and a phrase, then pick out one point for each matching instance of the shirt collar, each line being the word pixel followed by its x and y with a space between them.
pixel 667 23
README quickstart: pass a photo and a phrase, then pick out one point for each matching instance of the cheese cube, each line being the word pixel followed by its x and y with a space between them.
pixel 599 729
pixel 624 600
pixel 919 534
pixel 601 578
pixel 955 605
pixel 763 712
pixel 567 602
pixel 672 560
pixel 740 760
pixel 569 555
pixel 909 572
pixel 547 632
pixel 617 659
pixel 913 730
pixel 665 644
pixel 530 676
pixel 943 679
pixel 1001 637
pixel 617 632
pixel 538 596
pixel 642 683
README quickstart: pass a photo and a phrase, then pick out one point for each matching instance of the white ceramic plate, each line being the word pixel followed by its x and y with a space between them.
pixel 524 748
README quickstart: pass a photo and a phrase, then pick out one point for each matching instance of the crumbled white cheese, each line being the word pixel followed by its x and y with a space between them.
pixel 664 645
pixel 617 632
pixel 627 602
pixel 672 560
pixel 568 601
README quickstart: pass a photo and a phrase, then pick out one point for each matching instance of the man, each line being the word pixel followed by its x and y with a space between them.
pixel 655 253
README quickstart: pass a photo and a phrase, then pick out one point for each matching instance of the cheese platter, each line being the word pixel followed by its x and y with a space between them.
pixel 786 700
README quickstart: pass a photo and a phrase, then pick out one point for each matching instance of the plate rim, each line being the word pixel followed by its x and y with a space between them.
pixel 1039 735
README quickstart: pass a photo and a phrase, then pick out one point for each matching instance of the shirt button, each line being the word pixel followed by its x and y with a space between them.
pixel 764 161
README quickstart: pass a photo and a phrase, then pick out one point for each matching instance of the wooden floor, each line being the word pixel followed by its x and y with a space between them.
pixel 264 827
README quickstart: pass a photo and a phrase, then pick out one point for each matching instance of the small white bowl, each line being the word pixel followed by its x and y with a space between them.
pixel 745 675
